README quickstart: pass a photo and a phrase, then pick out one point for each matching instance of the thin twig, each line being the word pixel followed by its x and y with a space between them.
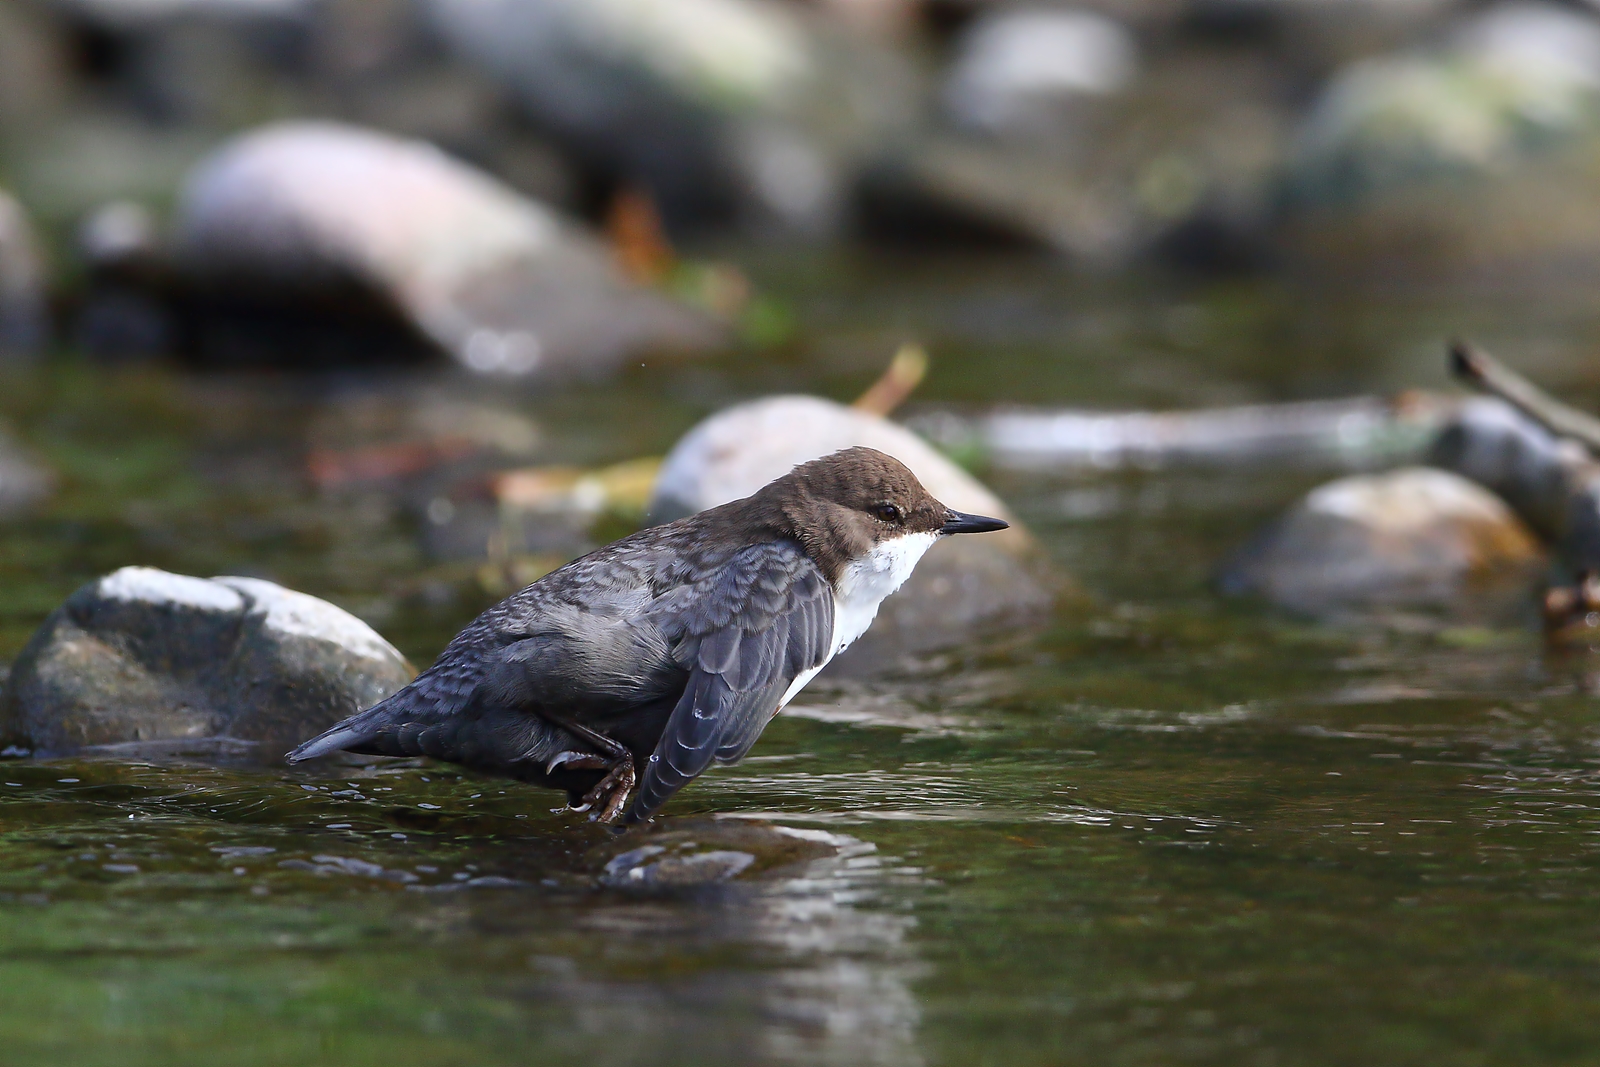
pixel 904 374
pixel 1473 365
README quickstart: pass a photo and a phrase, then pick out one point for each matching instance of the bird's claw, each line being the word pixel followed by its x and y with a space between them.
pixel 611 793
pixel 576 760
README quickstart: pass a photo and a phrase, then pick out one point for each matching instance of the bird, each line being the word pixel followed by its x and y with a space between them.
pixel 646 661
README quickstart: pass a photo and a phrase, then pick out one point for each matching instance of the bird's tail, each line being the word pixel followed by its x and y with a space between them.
pixel 354 732
pixel 395 725
pixel 344 735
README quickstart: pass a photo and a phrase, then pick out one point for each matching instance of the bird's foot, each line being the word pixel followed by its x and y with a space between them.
pixel 605 801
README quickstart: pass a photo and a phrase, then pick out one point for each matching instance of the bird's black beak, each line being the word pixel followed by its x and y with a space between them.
pixel 960 522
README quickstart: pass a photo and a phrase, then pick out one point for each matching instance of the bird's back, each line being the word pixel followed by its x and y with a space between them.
pixel 588 642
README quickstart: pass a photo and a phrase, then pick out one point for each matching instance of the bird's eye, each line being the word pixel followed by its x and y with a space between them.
pixel 888 512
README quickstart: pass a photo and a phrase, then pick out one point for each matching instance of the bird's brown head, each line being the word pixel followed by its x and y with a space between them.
pixel 843 505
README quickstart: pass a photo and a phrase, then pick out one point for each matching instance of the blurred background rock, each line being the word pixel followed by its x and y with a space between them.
pixel 1215 134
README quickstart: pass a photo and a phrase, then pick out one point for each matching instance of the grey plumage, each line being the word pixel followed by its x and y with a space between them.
pixel 659 641
pixel 667 650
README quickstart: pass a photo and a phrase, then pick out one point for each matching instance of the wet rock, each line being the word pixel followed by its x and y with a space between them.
pixel 725 111
pixel 964 587
pixel 680 855
pixel 325 242
pixel 1478 153
pixel 645 868
pixel 1410 538
pixel 22 308
pixel 142 655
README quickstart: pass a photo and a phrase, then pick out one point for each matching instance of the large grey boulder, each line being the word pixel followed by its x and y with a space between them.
pixel 964 588
pixel 142 655
pixel 1414 538
pixel 338 224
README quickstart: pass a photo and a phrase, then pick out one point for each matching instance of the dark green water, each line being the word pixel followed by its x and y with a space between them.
pixel 1168 830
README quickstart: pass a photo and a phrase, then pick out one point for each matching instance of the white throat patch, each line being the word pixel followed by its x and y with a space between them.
pixel 862 587
pixel 868 580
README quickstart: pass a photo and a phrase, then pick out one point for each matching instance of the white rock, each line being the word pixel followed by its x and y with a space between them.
pixel 1403 501
pixel 500 282
pixel 1416 537
pixel 152 586
pixel 963 587
pixel 295 614
pixel 1010 63
pixel 737 451
pixel 142 656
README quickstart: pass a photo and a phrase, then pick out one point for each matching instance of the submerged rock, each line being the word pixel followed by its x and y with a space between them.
pixel 964 587
pixel 320 242
pixel 682 855
pixel 22 307
pixel 142 655
pixel 1411 538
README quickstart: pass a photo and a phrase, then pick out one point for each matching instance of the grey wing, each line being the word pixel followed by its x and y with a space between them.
pixel 766 618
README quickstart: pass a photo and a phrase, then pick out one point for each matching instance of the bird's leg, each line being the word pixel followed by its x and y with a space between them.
pixel 616 760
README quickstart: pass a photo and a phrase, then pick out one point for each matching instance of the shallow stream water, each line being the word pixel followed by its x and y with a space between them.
pixel 1167 829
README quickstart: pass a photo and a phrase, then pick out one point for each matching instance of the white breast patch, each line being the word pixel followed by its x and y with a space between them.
pixel 862 587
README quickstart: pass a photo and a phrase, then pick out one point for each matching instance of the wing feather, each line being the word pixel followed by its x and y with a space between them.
pixel 747 634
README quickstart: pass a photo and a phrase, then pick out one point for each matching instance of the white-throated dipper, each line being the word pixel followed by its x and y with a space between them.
pixel 668 649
